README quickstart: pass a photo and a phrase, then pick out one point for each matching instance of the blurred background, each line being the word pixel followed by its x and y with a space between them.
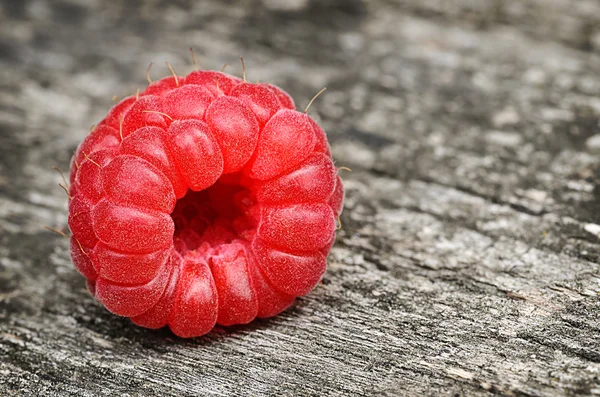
pixel 440 90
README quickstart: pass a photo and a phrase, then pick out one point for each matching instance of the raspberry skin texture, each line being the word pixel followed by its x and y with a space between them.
pixel 203 200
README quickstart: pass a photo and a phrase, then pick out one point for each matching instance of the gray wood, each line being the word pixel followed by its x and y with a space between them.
pixel 468 263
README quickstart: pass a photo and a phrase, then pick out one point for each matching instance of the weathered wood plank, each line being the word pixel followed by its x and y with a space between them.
pixel 469 262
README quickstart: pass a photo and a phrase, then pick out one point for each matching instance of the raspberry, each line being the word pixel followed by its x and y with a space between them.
pixel 204 199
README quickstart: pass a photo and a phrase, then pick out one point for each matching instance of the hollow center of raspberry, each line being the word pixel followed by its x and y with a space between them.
pixel 219 215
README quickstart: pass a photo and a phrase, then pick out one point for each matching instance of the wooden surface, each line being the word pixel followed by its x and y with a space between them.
pixel 469 259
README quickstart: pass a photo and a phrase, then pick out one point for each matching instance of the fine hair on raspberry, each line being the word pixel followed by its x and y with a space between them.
pixel 204 199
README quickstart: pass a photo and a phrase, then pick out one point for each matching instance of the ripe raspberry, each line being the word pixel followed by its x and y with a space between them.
pixel 206 199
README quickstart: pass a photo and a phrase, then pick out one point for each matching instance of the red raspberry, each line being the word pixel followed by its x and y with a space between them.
pixel 206 199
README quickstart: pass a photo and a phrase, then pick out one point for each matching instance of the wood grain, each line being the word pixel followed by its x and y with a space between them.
pixel 469 260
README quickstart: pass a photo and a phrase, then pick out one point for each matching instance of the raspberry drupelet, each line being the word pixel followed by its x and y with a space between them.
pixel 204 199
